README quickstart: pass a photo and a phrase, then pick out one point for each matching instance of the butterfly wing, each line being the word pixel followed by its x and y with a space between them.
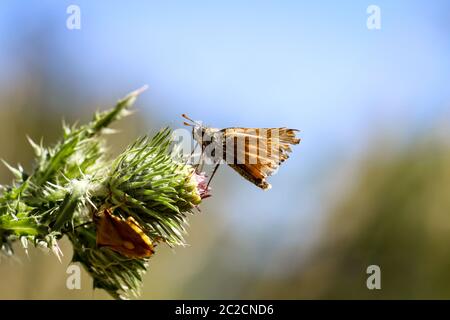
pixel 253 173
pixel 256 153
pixel 123 236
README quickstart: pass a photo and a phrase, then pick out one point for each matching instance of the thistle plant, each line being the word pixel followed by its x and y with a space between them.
pixel 146 189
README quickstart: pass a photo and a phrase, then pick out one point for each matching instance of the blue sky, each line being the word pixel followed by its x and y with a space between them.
pixel 308 65
pixel 260 63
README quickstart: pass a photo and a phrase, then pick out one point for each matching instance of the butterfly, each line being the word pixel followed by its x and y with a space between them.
pixel 125 236
pixel 254 153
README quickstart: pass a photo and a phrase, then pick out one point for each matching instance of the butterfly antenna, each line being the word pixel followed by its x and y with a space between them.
pixel 194 123
pixel 187 118
pixel 83 224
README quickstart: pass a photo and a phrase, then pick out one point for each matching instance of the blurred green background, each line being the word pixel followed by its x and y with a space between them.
pixel 369 184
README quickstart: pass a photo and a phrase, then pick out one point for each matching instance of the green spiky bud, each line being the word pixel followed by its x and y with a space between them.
pixel 73 179
pixel 147 183
pixel 158 191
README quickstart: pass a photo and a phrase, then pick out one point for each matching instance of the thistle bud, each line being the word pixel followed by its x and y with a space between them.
pixel 200 181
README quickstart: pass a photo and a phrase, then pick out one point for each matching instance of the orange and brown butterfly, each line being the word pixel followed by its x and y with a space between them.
pixel 254 153
pixel 124 236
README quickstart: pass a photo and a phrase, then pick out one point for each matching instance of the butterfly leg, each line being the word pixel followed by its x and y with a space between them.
pixel 212 175
pixel 189 159
pixel 200 161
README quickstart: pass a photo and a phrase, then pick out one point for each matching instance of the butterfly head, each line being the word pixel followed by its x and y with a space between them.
pixel 198 129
